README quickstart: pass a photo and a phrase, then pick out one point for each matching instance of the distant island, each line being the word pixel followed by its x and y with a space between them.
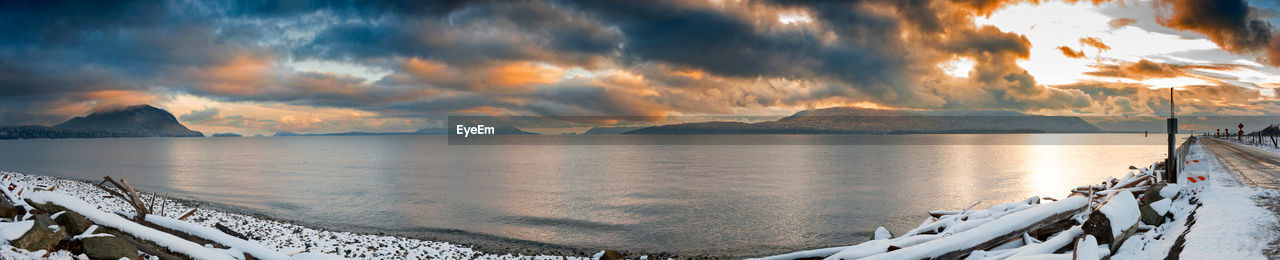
pixel 226 135
pixel 845 120
pixel 611 130
pixel 132 121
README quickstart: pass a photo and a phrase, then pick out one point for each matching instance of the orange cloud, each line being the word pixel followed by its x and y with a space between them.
pixel 1094 42
pixel 427 69
pixel 518 74
pixel 106 99
pixel 1071 53
pixel 242 75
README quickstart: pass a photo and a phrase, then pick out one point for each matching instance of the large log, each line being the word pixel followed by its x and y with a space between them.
pixel 988 235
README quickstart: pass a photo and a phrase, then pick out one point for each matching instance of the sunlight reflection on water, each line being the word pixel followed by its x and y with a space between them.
pixel 731 200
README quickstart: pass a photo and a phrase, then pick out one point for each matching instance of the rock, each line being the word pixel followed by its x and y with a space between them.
pixel 108 248
pixel 40 236
pixel 7 209
pixel 47 208
pixel 1153 193
pixel 1150 216
pixel 73 222
pixel 611 255
pixel 1131 167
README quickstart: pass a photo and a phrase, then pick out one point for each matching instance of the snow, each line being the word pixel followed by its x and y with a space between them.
pixel 1087 248
pixel 1162 206
pixel 1170 190
pixel 980 234
pixel 1053 244
pixel 822 252
pixel 1042 257
pixel 315 256
pixel 166 240
pixel 287 238
pixel 253 248
pixel 882 233
pixel 1230 225
pixel 15 230
pixel 1123 212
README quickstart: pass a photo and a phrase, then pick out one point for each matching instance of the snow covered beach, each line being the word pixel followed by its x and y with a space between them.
pixel 270 238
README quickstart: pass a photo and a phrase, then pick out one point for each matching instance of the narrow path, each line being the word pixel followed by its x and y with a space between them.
pixel 1256 168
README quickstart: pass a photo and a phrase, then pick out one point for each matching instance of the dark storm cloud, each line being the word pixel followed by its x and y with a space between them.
pixel 1232 24
pixel 527 30
pixel 355 8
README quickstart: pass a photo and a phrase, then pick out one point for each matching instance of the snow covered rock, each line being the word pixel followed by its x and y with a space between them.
pixel 1154 193
pixel 73 222
pixel 1150 216
pixel 882 233
pixel 108 247
pixel 610 255
pixel 40 236
pixel 14 230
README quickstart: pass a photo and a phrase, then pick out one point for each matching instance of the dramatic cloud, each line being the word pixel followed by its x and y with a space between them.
pixel 265 66
pixel 1232 24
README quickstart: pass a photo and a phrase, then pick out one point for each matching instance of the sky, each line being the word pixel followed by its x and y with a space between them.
pixel 259 67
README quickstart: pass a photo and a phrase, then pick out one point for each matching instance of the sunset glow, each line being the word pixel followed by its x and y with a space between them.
pixel 407 70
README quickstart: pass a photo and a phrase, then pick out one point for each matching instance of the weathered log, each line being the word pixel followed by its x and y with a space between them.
pixel 188 214
pixel 129 195
pixel 1103 227
pixel 990 234
pixel 228 231
pixel 121 196
pixel 133 194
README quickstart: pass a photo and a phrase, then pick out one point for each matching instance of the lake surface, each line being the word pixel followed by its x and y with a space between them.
pixel 725 199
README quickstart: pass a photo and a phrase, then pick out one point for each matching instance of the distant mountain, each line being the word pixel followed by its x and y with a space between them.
pixel 846 120
pixel 424 131
pixel 133 121
pixel 226 135
pixel 611 130
pixel 507 130
pixel 432 131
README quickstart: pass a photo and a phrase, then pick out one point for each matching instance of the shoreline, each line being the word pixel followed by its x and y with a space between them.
pixel 283 234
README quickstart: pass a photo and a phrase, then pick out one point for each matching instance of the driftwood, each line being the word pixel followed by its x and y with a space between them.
pixel 125 192
pixel 961 244
pixel 188 214
pixel 228 231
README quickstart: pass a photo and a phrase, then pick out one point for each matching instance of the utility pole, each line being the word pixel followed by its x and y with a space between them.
pixel 1171 165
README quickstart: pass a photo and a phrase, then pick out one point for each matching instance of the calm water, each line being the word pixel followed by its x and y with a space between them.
pixel 728 200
